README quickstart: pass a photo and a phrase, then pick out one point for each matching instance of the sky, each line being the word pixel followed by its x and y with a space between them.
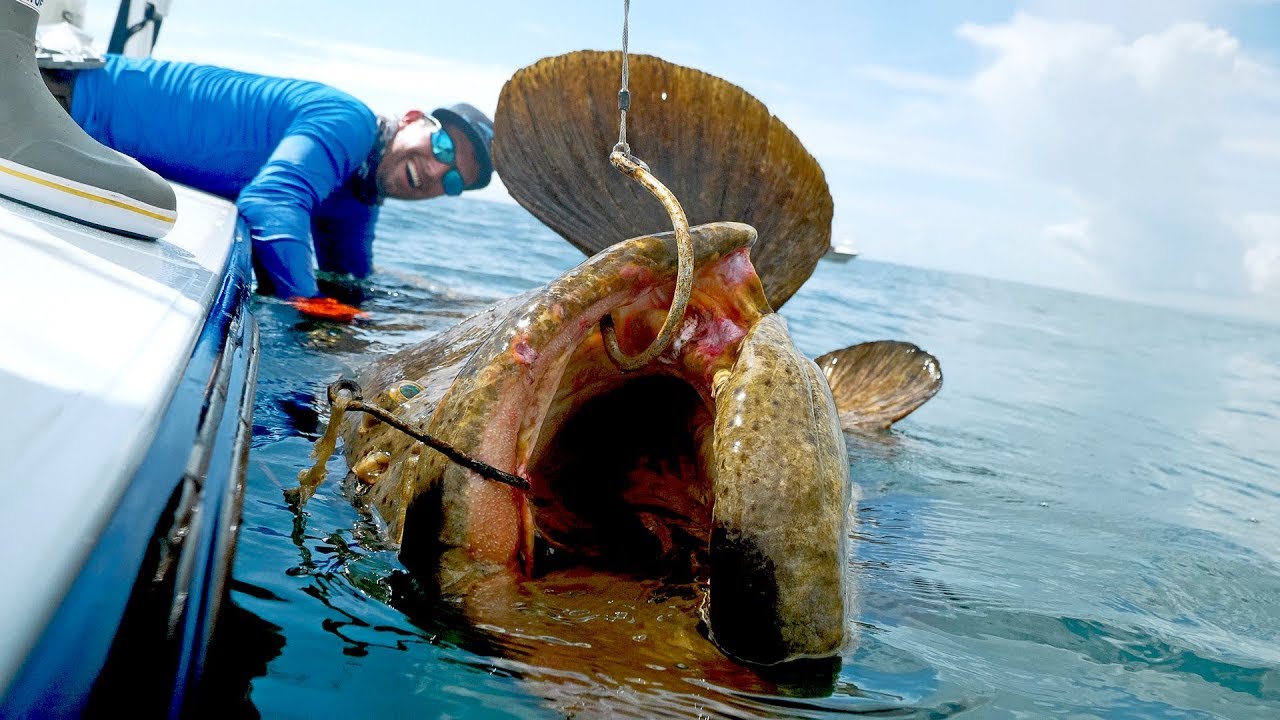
pixel 1126 149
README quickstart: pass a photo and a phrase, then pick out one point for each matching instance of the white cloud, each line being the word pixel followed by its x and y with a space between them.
pixel 1133 132
pixel 389 81
pixel 1262 259
pixel 838 141
pixel 1259 148
pixel 1136 17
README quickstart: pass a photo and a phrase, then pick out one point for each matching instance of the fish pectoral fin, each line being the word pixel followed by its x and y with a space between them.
pixel 876 384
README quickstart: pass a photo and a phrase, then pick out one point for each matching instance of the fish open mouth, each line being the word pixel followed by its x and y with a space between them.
pixel 623 482
pixel 621 464
pixel 721 461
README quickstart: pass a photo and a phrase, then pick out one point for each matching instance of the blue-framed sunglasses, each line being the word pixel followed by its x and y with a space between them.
pixel 442 148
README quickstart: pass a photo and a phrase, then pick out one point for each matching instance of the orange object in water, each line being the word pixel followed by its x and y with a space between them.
pixel 327 308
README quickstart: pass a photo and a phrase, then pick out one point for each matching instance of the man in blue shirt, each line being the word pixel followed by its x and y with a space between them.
pixel 307 165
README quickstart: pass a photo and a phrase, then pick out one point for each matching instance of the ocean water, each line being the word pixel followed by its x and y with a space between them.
pixel 1084 522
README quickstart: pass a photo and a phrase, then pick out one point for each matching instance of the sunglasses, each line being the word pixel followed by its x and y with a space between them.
pixel 442 148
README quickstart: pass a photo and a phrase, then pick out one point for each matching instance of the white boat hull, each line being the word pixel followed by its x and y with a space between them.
pixel 128 369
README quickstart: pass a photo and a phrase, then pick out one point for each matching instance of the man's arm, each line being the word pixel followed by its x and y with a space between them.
pixel 343 229
pixel 277 206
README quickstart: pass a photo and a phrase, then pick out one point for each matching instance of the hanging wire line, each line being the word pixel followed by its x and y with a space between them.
pixel 636 169
pixel 624 95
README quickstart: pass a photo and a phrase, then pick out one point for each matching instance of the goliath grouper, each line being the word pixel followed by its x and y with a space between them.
pixel 722 461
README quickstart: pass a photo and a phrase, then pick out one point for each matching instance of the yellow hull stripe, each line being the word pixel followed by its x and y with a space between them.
pixel 87 195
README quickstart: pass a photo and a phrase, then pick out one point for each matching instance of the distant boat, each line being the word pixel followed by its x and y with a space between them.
pixel 841 252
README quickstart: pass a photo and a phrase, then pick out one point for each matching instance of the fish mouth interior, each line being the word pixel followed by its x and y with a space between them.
pixel 621 482
pixel 619 462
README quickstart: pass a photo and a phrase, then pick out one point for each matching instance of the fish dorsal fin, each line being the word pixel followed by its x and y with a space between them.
pixel 717 148
pixel 876 384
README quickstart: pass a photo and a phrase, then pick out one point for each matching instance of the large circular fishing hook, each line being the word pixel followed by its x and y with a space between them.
pixel 637 170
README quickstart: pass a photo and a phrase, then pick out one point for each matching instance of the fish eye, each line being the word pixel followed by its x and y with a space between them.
pixel 402 392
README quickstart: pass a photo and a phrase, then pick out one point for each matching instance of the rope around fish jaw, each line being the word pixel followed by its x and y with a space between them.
pixel 346 395
pixel 637 170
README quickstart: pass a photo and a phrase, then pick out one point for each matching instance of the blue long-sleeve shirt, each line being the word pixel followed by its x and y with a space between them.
pixel 287 151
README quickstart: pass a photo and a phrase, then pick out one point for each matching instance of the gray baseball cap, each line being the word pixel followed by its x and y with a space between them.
pixel 479 130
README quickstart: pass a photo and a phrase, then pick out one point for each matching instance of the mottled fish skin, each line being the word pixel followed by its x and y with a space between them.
pixel 779 454
pixel 717 148
pixel 433 366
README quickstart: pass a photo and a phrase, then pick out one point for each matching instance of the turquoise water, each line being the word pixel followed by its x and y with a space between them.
pixel 1084 522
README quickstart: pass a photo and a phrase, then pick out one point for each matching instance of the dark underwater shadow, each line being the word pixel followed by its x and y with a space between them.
pixel 243 645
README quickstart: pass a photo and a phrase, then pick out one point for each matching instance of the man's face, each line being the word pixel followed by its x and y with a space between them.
pixel 410 170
